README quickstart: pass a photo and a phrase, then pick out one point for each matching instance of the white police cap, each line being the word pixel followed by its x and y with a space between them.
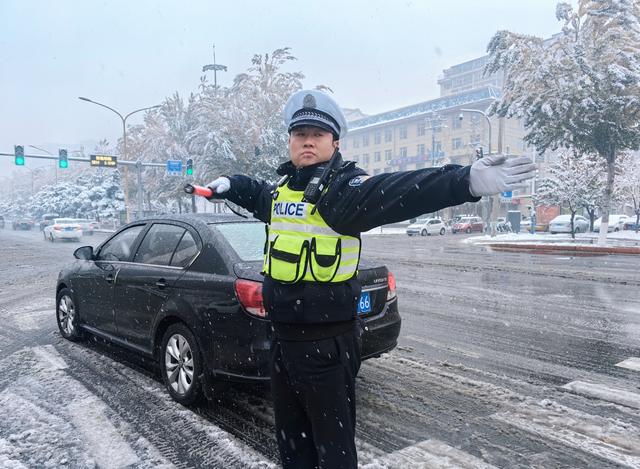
pixel 315 108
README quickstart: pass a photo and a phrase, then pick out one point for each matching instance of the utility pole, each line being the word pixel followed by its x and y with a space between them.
pixel 215 67
pixel 435 123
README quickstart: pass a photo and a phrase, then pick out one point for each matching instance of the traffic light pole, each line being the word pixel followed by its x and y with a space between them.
pixel 138 164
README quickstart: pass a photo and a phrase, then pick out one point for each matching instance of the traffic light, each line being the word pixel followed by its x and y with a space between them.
pixel 19 152
pixel 479 153
pixel 63 162
pixel 189 167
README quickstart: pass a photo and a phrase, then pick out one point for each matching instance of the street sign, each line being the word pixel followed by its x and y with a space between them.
pixel 104 160
pixel 174 168
pixel 507 194
pixel 506 197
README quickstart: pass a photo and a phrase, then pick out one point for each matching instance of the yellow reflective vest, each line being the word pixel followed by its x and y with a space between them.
pixel 301 247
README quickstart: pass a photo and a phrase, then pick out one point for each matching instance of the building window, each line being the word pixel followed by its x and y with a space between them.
pixel 365 159
pixel 356 143
pixel 403 152
pixel 376 157
pixel 365 140
pixel 420 149
pixel 403 131
pixel 388 135
pixel 377 137
pixel 421 129
pixel 438 147
pixel 387 155
pixel 456 143
pixel 456 122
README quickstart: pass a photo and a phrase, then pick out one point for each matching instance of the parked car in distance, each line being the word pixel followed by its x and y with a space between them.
pixel 562 224
pixel 616 223
pixel 88 226
pixel 186 291
pixel 630 223
pixel 468 225
pixel 426 226
pixel 62 228
pixel 22 224
pixel 47 219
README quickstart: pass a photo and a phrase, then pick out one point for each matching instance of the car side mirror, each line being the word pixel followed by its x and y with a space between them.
pixel 84 253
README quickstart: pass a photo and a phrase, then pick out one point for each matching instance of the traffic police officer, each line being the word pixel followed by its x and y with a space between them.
pixel 310 288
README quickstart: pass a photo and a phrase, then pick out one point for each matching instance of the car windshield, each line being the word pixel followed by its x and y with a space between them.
pixel 246 239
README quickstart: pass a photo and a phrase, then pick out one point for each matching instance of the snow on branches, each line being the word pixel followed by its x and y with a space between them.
pixel 579 89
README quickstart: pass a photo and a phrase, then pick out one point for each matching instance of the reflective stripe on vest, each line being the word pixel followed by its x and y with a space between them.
pixel 301 247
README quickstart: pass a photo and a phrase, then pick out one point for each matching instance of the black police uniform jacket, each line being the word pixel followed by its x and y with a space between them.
pixel 354 203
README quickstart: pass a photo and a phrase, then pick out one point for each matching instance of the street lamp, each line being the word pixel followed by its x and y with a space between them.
pixel 48 153
pixel 490 208
pixel 124 142
pixel 461 116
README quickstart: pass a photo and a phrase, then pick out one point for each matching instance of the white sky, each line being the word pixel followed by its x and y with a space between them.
pixel 376 55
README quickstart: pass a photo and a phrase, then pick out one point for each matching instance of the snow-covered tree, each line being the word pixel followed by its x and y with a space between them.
pixel 574 182
pixel 628 183
pixel 579 89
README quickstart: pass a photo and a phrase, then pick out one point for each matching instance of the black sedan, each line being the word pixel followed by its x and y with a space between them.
pixel 186 291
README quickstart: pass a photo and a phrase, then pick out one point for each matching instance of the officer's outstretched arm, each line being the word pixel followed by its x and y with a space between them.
pixel 357 203
pixel 252 195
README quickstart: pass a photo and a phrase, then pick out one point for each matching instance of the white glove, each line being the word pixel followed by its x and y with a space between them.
pixel 220 185
pixel 497 173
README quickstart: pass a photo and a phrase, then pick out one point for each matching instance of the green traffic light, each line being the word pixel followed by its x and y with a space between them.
pixel 19 153
pixel 189 172
pixel 63 163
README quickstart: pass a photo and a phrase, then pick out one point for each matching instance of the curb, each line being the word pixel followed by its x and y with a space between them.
pixel 575 250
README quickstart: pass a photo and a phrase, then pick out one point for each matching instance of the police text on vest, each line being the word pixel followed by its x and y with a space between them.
pixel 290 209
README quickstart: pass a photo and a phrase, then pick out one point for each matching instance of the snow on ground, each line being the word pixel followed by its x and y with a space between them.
pixel 621 238
pixel 52 420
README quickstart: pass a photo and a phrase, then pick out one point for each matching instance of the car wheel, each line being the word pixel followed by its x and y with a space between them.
pixel 67 317
pixel 468 230
pixel 181 364
pixel 616 229
pixel 424 233
pixel 442 231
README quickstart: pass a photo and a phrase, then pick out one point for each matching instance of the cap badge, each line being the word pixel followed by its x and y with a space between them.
pixel 309 101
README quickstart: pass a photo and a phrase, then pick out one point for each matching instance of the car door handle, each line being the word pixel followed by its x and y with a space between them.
pixel 161 284
pixel 109 278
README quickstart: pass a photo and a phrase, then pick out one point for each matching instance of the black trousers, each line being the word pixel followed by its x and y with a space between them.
pixel 313 386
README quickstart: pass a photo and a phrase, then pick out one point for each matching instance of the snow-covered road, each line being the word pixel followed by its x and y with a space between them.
pixel 505 360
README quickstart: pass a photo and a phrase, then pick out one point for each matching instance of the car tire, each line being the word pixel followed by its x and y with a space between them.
pixel 616 229
pixel 67 316
pixel 442 231
pixel 181 365
pixel 424 233
pixel 468 231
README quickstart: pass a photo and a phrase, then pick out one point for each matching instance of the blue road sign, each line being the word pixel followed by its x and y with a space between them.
pixel 507 194
pixel 174 167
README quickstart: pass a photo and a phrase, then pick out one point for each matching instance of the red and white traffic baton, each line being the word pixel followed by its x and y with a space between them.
pixel 198 190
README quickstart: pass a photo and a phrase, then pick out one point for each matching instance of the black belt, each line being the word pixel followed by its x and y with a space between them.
pixel 315 331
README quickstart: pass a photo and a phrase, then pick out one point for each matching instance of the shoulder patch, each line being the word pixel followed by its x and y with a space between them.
pixel 356 181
